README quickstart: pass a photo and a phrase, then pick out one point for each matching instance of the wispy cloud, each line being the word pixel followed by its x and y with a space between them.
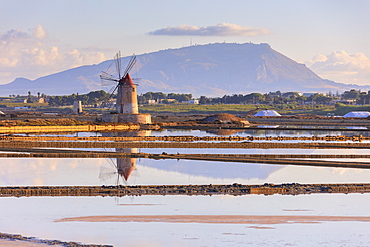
pixel 32 54
pixel 341 66
pixel 222 29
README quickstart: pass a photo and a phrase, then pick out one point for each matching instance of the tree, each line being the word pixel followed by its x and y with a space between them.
pixel 29 99
pixel 95 97
pixel 180 97
pixel 254 98
pixel 204 100
pixel 352 94
pixel 301 99
pixel 320 98
pixel 152 95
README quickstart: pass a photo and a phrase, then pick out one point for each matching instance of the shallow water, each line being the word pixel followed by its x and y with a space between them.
pixel 36 216
pixel 25 171
pixel 41 214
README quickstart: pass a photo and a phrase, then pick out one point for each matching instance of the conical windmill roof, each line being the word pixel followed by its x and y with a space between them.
pixel 127 80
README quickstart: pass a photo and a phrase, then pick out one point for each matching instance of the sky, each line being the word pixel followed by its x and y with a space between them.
pixel 42 37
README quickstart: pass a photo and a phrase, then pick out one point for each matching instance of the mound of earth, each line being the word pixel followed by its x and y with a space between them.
pixel 224 118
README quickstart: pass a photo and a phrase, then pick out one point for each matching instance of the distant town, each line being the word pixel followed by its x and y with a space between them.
pixel 100 101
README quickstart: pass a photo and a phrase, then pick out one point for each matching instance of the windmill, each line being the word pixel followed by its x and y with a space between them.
pixel 121 168
pixel 126 90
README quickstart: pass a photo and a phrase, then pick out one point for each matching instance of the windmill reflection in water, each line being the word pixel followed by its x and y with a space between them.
pixel 123 167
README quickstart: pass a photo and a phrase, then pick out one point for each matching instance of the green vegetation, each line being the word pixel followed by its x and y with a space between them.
pixel 92 98
pixel 164 98
pixel 31 105
pixel 287 103
pixel 199 109
pixel 342 109
pixel 43 122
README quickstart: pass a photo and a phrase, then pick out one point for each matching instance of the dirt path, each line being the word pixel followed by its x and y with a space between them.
pixel 219 219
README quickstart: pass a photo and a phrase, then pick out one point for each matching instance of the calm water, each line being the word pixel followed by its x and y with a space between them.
pixel 36 216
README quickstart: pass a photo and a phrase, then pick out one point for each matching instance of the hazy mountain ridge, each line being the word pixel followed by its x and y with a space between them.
pixel 212 70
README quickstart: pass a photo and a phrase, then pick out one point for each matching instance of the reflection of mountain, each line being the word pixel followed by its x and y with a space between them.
pixel 213 169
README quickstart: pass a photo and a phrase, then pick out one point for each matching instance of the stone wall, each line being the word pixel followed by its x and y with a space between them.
pixel 127 118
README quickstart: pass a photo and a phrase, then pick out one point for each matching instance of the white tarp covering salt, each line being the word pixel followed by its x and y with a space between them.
pixel 359 114
pixel 267 113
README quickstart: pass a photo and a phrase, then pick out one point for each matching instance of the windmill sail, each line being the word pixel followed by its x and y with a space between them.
pixel 123 85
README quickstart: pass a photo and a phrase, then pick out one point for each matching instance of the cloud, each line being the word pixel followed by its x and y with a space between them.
pixel 341 66
pixel 32 54
pixel 222 29
pixel 39 32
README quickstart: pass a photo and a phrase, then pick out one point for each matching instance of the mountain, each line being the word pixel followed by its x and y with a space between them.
pixel 211 70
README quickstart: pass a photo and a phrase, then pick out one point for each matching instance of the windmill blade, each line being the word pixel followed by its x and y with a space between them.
pixel 108 72
pixel 117 61
pixel 111 94
pixel 107 75
pixel 130 64
pixel 113 89
pixel 108 79
pixel 136 80
pixel 104 175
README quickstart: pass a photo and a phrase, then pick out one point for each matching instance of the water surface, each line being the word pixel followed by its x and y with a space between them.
pixel 38 216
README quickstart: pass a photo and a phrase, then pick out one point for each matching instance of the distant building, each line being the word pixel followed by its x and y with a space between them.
pixel 168 100
pixel 32 99
pixel 77 107
pixel 192 101
pixel 152 101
